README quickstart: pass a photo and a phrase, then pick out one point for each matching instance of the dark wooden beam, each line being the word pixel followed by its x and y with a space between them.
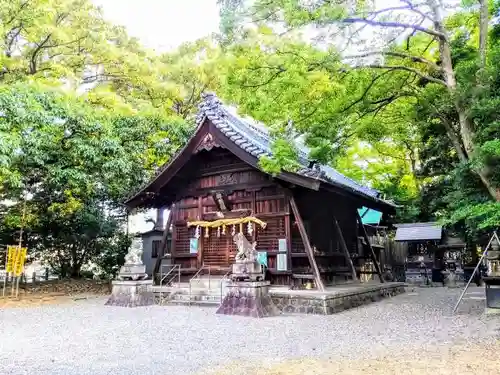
pixel 163 243
pixel 253 211
pixel 199 258
pixel 213 171
pixel 372 252
pixel 345 249
pixel 226 189
pixel 210 216
pixel 307 244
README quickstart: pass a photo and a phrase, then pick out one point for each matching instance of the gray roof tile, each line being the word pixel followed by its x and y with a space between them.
pixel 255 138
pixel 418 232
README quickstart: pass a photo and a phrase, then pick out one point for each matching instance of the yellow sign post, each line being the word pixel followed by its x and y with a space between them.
pixel 6 272
pixel 19 267
pixel 14 266
pixel 20 259
pixel 11 258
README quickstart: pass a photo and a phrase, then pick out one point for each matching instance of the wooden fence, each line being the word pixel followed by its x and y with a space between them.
pixel 393 255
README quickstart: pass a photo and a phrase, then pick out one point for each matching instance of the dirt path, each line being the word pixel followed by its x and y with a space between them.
pixel 35 300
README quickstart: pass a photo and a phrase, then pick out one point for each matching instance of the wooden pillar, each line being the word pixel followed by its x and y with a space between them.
pixel 372 252
pixel 307 244
pixel 163 243
pixel 253 207
pixel 288 232
pixel 344 248
pixel 199 256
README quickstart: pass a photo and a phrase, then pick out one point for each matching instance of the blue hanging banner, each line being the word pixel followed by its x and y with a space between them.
pixel 193 246
pixel 262 258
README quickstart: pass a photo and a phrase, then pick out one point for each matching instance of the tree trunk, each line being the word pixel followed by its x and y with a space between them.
pixel 483 31
pixel 75 271
pixel 494 192
pixel 455 140
pixel 466 130
pixel 413 165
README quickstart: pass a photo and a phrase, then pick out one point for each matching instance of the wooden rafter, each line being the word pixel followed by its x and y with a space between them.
pixel 163 243
pixel 344 248
pixel 372 252
pixel 307 244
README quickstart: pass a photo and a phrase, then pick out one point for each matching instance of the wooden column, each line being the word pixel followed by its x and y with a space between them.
pixel 253 207
pixel 288 242
pixel 372 252
pixel 199 256
pixel 288 232
pixel 344 248
pixel 307 244
pixel 163 243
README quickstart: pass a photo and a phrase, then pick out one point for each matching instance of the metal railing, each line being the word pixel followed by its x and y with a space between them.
pixel 174 272
pixel 197 277
pixel 224 278
pixel 168 278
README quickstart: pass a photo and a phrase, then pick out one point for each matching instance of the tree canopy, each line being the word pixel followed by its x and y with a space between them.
pixel 414 102
pixel 401 97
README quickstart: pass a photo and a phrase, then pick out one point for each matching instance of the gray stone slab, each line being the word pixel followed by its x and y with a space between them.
pixel 128 293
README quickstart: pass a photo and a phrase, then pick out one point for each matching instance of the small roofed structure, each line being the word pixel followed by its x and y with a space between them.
pixel 430 245
pixel 305 223
pixel 418 232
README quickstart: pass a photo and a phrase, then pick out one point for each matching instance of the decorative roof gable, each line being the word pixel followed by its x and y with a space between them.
pixel 250 140
pixel 255 139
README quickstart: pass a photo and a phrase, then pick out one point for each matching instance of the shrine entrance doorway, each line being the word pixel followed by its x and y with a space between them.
pixel 216 251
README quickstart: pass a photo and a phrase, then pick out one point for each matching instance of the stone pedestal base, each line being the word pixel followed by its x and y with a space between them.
pixel 131 293
pixel 248 298
pixel 132 272
pixel 450 279
pixel 247 271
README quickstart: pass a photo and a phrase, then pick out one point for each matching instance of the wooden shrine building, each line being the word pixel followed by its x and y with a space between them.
pixel 305 223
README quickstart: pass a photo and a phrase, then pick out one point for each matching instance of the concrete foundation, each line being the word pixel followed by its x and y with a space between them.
pixel 333 299
pixel 129 293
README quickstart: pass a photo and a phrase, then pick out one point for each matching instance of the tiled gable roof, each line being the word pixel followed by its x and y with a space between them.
pixel 418 231
pixel 255 139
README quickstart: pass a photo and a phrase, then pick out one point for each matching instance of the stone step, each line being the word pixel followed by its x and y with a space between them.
pixel 192 290
pixel 186 299
pixel 198 283
pixel 206 283
pixel 193 303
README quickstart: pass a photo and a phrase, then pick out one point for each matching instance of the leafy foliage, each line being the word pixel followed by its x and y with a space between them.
pixel 412 114
pixel 77 163
pixel 87 113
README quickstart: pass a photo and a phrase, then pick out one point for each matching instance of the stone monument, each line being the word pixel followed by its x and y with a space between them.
pixel 131 289
pixel 248 293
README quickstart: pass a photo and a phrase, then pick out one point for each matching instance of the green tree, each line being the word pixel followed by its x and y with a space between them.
pixel 78 163
pixel 430 63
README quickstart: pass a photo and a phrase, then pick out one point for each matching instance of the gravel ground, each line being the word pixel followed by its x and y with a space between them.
pixel 86 337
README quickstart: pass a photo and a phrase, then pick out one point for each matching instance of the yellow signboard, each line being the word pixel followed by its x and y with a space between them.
pixel 11 258
pixel 21 257
pixel 15 260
